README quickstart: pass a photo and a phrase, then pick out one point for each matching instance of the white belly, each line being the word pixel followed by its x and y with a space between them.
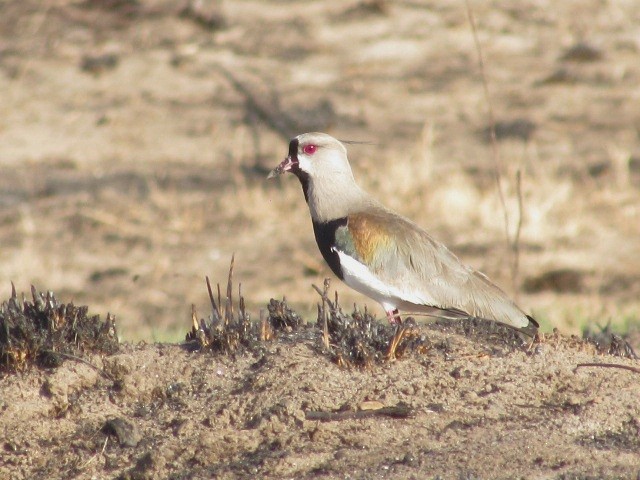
pixel 358 276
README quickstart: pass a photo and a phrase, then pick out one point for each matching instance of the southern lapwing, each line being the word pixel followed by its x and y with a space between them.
pixel 383 255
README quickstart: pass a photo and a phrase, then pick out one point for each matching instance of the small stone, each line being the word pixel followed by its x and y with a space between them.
pixel 127 433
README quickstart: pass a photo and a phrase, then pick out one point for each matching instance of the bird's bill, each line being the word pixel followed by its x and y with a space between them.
pixel 286 165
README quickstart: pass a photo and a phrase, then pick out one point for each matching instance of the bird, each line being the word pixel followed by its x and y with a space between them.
pixel 380 253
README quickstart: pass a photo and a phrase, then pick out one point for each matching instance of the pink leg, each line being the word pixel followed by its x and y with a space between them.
pixel 394 317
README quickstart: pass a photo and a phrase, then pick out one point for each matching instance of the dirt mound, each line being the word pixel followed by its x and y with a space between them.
pixel 464 400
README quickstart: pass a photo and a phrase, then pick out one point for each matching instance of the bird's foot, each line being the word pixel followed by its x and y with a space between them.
pixel 394 317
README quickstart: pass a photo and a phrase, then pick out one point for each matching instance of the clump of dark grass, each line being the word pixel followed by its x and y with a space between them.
pixel 609 343
pixel 43 331
pixel 359 339
pixel 229 330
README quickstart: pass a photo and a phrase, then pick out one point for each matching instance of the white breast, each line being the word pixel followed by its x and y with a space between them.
pixel 358 276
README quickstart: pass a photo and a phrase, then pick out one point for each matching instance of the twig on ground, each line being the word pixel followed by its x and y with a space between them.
pixel 608 365
pixel 398 411
pixel 95 455
pixel 82 360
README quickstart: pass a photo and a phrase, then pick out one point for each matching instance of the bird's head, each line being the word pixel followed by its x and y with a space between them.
pixel 320 163
pixel 315 156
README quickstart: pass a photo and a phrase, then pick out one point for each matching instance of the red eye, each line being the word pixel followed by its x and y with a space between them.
pixel 309 149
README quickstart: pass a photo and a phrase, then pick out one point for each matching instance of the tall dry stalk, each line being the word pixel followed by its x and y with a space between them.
pixel 513 244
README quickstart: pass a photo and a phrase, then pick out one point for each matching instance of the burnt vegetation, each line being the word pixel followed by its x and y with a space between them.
pixel 230 330
pixel 608 342
pixel 351 340
pixel 43 331
pixel 359 340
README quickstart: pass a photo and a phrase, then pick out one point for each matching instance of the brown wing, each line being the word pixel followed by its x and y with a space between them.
pixel 403 255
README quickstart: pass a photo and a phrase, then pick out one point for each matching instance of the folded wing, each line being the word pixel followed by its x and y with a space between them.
pixel 423 270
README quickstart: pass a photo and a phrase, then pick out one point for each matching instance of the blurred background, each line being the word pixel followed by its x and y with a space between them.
pixel 135 138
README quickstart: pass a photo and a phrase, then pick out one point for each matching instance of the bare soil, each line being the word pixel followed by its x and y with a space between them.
pixel 134 141
pixel 465 408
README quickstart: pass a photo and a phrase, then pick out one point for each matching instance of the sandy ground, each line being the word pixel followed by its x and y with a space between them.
pixel 134 141
pixel 463 409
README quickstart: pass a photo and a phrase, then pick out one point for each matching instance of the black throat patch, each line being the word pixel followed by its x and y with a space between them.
pixel 293 148
pixel 302 176
pixel 326 239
